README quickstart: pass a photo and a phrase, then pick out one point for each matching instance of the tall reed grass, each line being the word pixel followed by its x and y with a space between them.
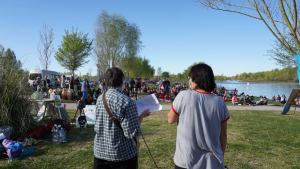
pixel 15 106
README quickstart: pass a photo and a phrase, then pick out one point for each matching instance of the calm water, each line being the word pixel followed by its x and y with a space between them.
pixel 260 89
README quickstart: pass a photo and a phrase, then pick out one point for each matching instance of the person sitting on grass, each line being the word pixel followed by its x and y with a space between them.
pixel 234 100
pixel 249 100
pixel 260 101
pixel 265 100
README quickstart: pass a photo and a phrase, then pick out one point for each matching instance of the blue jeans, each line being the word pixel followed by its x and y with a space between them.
pixel 84 96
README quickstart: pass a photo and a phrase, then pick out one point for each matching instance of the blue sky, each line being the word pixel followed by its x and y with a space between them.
pixel 175 33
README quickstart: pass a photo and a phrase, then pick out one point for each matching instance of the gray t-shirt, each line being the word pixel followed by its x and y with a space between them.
pixel 198 143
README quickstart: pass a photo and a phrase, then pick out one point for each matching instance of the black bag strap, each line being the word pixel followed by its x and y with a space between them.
pixel 111 115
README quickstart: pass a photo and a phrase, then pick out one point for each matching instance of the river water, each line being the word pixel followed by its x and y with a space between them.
pixel 267 89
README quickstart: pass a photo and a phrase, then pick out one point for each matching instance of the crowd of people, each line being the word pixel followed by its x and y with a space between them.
pixel 242 99
pixel 118 124
pixel 88 91
pixel 163 89
pixel 281 99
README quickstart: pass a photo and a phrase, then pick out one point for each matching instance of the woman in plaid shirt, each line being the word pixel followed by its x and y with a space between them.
pixel 114 145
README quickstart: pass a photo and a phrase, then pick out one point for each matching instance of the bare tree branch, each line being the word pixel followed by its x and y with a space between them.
pixel 228 10
pixel 277 15
pixel 45 46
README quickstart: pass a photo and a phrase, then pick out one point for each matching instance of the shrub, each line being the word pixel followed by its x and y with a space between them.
pixel 15 107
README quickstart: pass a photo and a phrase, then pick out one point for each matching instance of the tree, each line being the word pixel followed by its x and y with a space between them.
pixel 181 77
pixel 74 50
pixel 188 69
pixel 279 16
pixel 45 47
pixel 116 38
pixel 165 75
pixel 9 58
pixel 137 67
pixel 147 71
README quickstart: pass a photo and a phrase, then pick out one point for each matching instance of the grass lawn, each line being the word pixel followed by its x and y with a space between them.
pixel 256 139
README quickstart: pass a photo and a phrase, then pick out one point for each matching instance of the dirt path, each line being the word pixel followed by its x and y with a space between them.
pixel 167 107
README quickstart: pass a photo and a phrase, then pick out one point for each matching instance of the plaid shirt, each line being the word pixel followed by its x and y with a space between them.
pixel 111 143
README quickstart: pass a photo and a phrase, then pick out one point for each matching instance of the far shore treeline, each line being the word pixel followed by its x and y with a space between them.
pixel 276 75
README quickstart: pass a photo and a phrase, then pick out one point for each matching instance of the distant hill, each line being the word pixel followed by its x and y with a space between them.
pixel 276 75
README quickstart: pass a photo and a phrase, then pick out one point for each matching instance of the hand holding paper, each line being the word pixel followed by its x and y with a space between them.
pixel 144 114
pixel 149 102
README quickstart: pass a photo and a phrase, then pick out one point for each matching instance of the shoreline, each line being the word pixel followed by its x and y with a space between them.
pixel 258 81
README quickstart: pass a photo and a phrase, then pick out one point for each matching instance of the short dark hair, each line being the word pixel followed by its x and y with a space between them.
pixel 114 77
pixel 203 76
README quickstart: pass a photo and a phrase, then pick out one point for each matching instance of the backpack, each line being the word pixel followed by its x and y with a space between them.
pixel 82 121
pixel 13 148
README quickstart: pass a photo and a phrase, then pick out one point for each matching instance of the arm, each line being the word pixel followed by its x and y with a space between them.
pixel 146 113
pixel 175 111
pixel 130 121
pixel 223 135
pixel 172 116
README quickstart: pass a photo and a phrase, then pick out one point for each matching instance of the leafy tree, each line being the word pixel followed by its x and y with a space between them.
pixel 181 77
pixel 286 74
pixel 165 75
pixel 147 70
pixel 187 71
pixel 74 50
pixel 137 67
pixel 222 78
pixel 9 58
pixel 116 38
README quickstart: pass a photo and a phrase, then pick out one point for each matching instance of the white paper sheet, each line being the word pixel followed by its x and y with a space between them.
pixel 90 114
pixel 148 102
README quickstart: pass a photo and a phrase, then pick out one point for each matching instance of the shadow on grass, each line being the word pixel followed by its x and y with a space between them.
pixel 81 134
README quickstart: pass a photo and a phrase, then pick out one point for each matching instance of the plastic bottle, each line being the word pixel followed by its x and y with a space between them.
pixel 55 136
pixel 61 135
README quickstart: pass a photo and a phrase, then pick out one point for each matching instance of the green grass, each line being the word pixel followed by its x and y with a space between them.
pixel 263 140
pixel 256 139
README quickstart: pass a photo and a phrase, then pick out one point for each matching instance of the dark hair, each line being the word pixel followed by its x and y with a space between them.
pixel 114 77
pixel 203 76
